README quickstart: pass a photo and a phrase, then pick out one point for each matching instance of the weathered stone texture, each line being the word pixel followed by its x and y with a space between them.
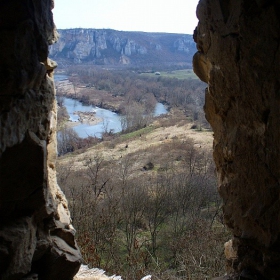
pixel 36 235
pixel 107 46
pixel 240 40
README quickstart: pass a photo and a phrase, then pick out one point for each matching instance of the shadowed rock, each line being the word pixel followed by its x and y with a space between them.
pixel 240 40
pixel 36 235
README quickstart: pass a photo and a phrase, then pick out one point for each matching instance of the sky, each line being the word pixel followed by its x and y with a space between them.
pixel 171 16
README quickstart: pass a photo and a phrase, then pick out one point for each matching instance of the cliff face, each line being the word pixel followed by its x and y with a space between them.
pixel 106 46
pixel 36 235
pixel 239 56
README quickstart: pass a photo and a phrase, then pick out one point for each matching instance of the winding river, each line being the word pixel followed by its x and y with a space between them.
pixel 109 120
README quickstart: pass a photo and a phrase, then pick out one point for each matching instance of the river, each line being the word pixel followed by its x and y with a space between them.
pixel 110 120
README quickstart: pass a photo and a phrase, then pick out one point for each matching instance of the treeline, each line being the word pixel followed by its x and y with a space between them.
pixel 142 90
pixel 133 95
pixel 152 212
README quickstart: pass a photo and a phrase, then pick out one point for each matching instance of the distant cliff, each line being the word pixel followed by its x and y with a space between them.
pixel 107 46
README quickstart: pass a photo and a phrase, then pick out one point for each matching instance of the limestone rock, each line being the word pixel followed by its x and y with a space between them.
pixel 183 44
pixel 201 66
pixel 83 50
pixel 93 274
pixel 85 273
pixel 131 47
pixel 230 253
pixel 116 43
pixel 106 46
pixel 124 60
pixel 36 235
pixel 240 39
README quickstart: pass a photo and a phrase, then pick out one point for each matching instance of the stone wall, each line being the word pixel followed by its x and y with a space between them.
pixel 36 235
pixel 239 57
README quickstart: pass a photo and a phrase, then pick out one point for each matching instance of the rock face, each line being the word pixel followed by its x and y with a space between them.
pixel 106 46
pixel 86 273
pixel 239 56
pixel 36 235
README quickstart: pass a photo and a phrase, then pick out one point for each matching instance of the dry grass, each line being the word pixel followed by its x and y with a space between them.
pixel 142 147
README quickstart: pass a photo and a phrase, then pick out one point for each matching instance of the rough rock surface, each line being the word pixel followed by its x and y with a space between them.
pixel 85 273
pixel 36 235
pixel 107 46
pixel 239 56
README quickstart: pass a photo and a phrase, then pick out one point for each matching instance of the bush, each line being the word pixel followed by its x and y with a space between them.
pixel 164 223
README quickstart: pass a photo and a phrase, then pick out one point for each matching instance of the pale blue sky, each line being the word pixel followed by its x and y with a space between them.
pixel 172 16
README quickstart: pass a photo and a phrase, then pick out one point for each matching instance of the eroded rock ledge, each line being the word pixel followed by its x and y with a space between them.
pixel 239 57
pixel 36 235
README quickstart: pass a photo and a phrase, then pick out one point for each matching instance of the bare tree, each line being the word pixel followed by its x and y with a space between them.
pixel 135 117
pixel 67 140
pixel 156 211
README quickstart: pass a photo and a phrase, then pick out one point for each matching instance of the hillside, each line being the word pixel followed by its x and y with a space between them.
pixel 147 194
pixel 149 139
pixel 112 47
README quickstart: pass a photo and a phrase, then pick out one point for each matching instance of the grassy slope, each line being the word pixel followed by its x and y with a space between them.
pixel 142 143
pixel 178 74
pixel 161 143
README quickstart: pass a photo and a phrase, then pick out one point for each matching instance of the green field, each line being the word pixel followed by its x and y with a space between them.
pixel 178 74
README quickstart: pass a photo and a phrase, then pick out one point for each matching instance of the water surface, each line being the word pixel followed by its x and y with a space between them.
pixel 110 121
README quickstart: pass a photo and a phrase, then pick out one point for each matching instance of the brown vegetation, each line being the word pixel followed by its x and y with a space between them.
pixel 121 90
pixel 144 201
pixel 132 220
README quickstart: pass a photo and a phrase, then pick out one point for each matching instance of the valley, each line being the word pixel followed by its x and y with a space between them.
pixel 147 192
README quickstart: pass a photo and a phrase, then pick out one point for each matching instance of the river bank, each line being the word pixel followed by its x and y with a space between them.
pixel 88 120
pixel 87 117
pixel 88 95
pixel 83 116
pixel 93 112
